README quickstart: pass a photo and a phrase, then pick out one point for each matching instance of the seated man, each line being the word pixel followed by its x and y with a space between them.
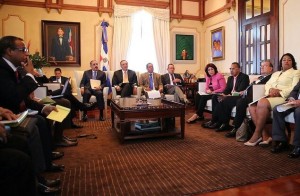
pixel 87 91
pixel 280 140
pixel 75 104
pixel 124 80
pixel 223 104
pixel 150 81
pixel 171 82
pixel 242 103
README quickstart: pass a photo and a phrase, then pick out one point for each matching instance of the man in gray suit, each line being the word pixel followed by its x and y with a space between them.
pixel 150 80
pixel 87 91
pixel 172 82
pixel 280 140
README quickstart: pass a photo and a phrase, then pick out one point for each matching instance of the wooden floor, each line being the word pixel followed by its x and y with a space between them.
pixel 288 185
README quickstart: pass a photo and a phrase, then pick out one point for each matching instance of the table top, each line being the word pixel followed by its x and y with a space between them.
pixel 138 104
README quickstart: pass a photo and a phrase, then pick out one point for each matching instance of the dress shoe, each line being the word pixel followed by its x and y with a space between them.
pixel 295 153
pixel 45 190
pixel 101 118
pixel 266 143
pixel 84 118
pixel 231 133
pixel 49 183
pixel 57 155
pixel 222 127
pixel 208 123
pixel 88 106
pixel 65 143
pixel 55 168
pixel 254 143
pixel 278 147
pixel 69 139
pixel 74 126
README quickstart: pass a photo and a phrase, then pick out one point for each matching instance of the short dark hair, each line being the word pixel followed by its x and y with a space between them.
pixel 57 69
pixel 236 63
pixel 8 42
pixel 293 60
pixel 169 65
pixel 270 63
pixel 212 66
pixel 148 64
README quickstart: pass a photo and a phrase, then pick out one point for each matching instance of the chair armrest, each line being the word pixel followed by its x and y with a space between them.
pixel 105 93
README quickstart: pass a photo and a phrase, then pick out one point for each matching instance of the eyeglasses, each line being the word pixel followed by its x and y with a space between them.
pixel 24 49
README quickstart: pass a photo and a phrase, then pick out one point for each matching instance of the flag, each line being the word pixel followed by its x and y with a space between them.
pixel 70 41
pixel 104 62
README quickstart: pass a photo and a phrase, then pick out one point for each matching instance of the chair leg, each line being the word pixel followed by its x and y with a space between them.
pixel 289 130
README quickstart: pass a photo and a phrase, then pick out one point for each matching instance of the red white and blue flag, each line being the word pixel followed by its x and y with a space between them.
pixel 70 41
pixel 104 62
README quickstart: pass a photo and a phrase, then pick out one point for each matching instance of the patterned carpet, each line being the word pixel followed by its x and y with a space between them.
pixel 204 161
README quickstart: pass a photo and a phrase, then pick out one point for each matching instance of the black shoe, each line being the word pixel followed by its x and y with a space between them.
pixel 84 118
pixel 295 153
pixel 223 127
pixel 45 190
pixel 49 183
pixel 57 155
pixel 231 133
pixel 65 143
pixel 101 118
pixel 55 168
pixel 69 139
pixel 208 124
pixel 88 106
pixel 74 126
pixel 278 147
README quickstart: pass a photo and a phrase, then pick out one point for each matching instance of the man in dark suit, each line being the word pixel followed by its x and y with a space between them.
pixel 246 97
pixel 150 80
pixel 60 48
pixel 223 104
pixel 87 91
pixel 171 82
pixel 75 104
pixel 124 80
pixel 280 139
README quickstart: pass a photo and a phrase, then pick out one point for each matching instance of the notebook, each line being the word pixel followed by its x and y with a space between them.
pixel 17 122
pixel 62 92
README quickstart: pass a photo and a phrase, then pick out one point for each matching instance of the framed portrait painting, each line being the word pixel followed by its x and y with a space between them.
pixel 184 48
pixel 61 42
pixel 218 44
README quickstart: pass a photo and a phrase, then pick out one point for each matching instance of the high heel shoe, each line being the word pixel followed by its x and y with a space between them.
pixel 254 143
pixel 266 143
pixel 194 118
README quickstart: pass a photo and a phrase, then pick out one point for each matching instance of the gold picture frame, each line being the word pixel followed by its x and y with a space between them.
pixel 218 44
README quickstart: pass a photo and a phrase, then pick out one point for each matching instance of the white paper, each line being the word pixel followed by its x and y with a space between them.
pixel 15 123
pixel 255 101
pixel 153 94
pixel 202 93
pixel 284 107
pixel 95 83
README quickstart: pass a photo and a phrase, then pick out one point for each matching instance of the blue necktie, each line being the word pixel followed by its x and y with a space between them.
pixel 151 82
pixel 94 75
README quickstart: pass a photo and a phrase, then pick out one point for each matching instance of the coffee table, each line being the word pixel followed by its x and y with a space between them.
pixel 126 114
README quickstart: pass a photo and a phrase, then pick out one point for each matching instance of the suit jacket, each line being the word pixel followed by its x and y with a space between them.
pixel 87 75
pixel 241 84
pixel 62 81
pixel 144 80
pixel 295 92
pixel 165 79
pixel 118 77
pixel 60 51
pixel 14 92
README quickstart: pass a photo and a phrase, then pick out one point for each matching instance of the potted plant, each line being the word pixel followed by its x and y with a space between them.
pixel 39 62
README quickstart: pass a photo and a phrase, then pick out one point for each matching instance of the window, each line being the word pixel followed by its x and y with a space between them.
pixel 141 47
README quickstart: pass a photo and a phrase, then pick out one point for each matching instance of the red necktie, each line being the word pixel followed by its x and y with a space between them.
pixel 17 75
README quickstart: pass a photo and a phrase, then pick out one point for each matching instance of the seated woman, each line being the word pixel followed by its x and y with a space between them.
pixel 215 83
pixel 277 89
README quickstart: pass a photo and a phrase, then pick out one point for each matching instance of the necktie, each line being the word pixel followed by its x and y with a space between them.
pixel 151 82
pixel 173 78
pixel 125 77
pixel 17 75
pixel 234 81
pixel 94 75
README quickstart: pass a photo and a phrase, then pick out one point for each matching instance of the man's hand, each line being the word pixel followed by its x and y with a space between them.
pixel 221 97
pixel 295 103
pixel 118 88
pixel 48 109
pixel 29 66
pixel 98 88
pixel 81 91
pixel 7 114
pixel 176 80
pixel 208 91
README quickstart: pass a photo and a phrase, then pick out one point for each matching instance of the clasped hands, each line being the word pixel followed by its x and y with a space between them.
pixel 273 92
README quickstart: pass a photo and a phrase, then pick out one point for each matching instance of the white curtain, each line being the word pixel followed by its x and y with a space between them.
pixel 122 34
